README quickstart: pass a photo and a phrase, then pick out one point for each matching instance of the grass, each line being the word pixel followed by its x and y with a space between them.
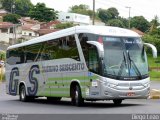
pixel 2 79
pixel 154 73
pixel 152 61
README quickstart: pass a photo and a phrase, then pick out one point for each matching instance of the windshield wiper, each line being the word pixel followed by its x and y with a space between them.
pixel 122 65
pixel 134 65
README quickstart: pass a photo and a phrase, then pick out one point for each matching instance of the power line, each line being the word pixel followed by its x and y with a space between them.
pixel 136 11
pixel 108 4
pixel 121 7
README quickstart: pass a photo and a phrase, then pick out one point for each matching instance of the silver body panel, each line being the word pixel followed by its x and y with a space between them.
pixel 108 89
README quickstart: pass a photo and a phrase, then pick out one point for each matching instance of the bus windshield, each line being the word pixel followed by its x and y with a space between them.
pixel 124 58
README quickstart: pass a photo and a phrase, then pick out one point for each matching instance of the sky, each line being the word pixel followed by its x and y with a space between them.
pixel 146 8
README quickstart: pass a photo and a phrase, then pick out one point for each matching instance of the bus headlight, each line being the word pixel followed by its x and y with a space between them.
pixel 111 85
pixel 146 84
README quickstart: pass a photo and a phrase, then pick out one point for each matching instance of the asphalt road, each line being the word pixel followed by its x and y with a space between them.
pixel 11 104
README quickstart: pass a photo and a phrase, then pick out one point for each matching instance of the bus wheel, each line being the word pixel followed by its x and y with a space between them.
pixel 54 99
pixel 77 96
pixel 117 101
pixel 22 94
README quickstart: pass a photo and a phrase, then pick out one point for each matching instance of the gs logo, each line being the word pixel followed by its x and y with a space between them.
pixel 33 80
pixel 13 83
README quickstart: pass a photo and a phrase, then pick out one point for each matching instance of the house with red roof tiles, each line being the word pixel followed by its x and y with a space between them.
pixel 138 31
pixel 9 32
pixel 29 31
pixel 49 27
pixel 29 28
pixel 2 14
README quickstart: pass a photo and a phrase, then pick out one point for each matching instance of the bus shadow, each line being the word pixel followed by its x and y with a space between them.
pixel 103 104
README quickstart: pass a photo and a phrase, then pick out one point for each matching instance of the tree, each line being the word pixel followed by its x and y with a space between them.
pixel 2 55
pixel 153 40
pixel 124 21
pixel 0 4
pixel 64 25
pixel 21 7
pixel 76 8
pixel 13 18
pixel 140 23
pixel 113 12
pixel 154 24
pixel 6 4
pixel 107 14
pixel 81 9
pixel 104 15
pixel 42 13
pixel 116 23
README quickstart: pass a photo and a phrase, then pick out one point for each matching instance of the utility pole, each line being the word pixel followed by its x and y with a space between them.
pixel 12 6
pixel 129 19
pixel 93 17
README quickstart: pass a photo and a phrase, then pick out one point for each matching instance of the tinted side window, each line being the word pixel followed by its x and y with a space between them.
pixel 68 48
pixel 32 53
pixel 15 56
pixel 64 47
pixel 50 49
pixel 90 52
pixel 88 36
pixel 85 47
pixel 93 59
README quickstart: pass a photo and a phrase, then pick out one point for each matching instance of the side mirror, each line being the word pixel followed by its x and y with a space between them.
pixel 154 49
pixel 99 47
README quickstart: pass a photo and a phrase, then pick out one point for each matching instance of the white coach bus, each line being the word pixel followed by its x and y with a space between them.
pixel 83 63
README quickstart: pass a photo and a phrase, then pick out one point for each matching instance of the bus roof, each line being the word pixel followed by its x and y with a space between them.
pixel 100 30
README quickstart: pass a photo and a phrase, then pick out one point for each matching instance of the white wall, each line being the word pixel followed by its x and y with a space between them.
pixel 73 17
pixel 8 36
pixel 4 37
pixel 27 33
pixel 26 36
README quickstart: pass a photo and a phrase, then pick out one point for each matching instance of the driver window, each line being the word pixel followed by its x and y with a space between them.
pixel 93 59
pixel 90 53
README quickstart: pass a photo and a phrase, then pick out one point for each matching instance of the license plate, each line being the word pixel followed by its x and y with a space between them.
pixel 130 94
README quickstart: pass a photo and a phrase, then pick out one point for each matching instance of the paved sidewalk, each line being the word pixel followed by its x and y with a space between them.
pixel 154 94
pixel 155 90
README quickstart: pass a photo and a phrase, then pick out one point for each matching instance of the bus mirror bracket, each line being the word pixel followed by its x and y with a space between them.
pixel 99 47
pixel 154 49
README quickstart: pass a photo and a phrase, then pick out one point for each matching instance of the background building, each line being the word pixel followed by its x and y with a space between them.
pixel 9 32
pixel 75 18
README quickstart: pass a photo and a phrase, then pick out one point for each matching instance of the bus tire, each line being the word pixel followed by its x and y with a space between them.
pixel 77 96
pixel 117 102
pixel 22 94
pixel 54 99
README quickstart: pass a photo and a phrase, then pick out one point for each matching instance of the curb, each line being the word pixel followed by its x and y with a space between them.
pixel 154 94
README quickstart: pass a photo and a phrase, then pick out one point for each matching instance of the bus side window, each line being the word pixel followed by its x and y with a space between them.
pixel 90 52
pixel 93 59
pixel 83 41
pixel 32 53
pixel 49 51
pixel 73 52
pixel 15 56
pixel 68 48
